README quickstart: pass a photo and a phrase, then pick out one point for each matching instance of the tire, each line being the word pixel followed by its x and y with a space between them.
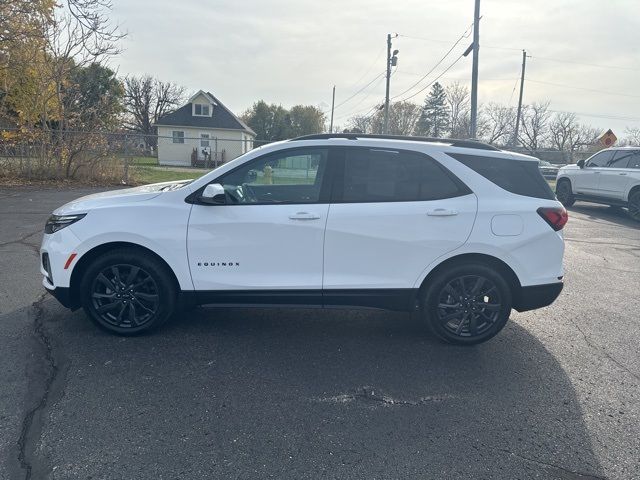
pixel 564 193
pixel 128 292
pixel 467 304
pixel 634 205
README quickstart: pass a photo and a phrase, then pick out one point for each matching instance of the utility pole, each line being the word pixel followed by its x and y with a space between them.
pixel 392 61
pixel 524 64
pixel 333 102
pixel 474 71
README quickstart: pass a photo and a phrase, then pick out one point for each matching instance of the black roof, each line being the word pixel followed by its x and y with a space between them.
pixel 454 142
pixel 221 118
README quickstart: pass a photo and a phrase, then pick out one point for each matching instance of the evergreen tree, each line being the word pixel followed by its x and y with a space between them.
pixel 434 117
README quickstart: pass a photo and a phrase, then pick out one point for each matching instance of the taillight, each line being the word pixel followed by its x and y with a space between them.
pixel 556 217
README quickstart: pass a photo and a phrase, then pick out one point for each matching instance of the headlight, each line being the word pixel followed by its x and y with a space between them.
pixel 58 222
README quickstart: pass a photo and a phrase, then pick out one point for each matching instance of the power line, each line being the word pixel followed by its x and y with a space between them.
pixel 355 105
pixel 434 80
pixel 356 93
pixel 375 62
pixel 584 89
pixel 463 36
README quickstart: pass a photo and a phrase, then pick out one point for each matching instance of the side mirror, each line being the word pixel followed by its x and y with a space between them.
pixel 580 163
pixel 213 194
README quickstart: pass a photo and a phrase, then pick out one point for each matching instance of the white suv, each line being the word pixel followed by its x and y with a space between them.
pixel 611 176
pixel 457 229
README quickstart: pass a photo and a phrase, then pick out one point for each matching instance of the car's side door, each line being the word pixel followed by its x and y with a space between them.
pixel 614 177
pixel 268 235
pixel 586 179
pixel 392 213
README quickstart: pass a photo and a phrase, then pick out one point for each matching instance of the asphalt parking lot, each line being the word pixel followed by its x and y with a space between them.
pixel 240 393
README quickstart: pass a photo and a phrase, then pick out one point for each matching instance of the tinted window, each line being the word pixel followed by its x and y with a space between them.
pixel 292 176
pixel 516 176
pixel 601 159
pixel 372 175
pixel 634 161
pixel 621 159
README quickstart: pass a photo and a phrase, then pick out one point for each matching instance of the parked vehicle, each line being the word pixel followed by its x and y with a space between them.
pixel 547 169
pixel 610 177
pixel 459 230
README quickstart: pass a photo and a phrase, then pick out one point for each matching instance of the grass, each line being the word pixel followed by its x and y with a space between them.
pixel 148 174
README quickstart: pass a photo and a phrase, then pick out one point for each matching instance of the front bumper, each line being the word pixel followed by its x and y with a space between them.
pixel 63 295
pixel 537 296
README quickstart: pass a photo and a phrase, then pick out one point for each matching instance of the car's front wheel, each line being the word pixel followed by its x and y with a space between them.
pixel 467 304
pixel 128 291
pixel 564 193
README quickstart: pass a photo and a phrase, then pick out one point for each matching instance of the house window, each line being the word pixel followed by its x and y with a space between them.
pixel 201 110
pixel 204 139
pixel 178 136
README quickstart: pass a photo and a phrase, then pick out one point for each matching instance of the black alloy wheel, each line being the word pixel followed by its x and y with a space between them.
pixel 634 205
pixel 128 291
pixel 467 304
pixel 125 296
pixel 564 193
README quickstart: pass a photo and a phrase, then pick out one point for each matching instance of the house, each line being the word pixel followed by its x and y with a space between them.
pixel 202 133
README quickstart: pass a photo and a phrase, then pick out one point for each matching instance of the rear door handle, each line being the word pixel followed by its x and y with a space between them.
pixel 442 212
pixel 304 216
pixel 622 173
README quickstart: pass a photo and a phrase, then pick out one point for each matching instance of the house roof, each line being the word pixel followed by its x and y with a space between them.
pixel 222 117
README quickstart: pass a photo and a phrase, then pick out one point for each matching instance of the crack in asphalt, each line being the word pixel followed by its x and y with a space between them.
pixel 22 241
pixel 369 395
pixel 32 422
pixel 603 352
pixel 565 471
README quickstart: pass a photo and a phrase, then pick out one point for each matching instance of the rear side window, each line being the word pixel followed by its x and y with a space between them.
pixel 372 175
pixel 521 177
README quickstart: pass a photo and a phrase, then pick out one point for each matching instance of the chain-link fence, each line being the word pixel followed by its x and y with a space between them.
pixel 120 157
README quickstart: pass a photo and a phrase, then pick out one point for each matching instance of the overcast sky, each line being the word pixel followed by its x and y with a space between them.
pixel 292 52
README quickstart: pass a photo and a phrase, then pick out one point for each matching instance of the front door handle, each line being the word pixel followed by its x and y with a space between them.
pixel 622 173
pixel 304 216
pixel 442 212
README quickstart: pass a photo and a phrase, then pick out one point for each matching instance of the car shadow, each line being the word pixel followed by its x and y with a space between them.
pixel 300 393
pixel 594 211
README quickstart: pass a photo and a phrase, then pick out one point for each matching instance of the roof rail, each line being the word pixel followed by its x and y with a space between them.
pixel 454 142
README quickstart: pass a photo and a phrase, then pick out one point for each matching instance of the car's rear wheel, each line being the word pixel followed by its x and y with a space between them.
pixel 634 205
pixel 467 304
pixel 128 291
pixel 564 193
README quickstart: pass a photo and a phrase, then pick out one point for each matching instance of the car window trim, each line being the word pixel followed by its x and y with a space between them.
pixel 337 192
pixel 325 187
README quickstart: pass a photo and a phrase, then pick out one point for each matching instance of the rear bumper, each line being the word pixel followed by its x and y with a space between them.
pixel 537 296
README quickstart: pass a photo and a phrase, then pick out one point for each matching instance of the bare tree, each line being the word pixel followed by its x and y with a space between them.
pixel 535 125
pixel 147 99
pixel 632 136
pixel 499 122
pixel 403 117
pixel 459 110
pixel 562 130
pixel 360 124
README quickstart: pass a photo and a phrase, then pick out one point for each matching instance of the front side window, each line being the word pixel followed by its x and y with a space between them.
pixel 601 159
pixel 292 176
pixel 621 159
pixel 376 175
pixel 178 136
